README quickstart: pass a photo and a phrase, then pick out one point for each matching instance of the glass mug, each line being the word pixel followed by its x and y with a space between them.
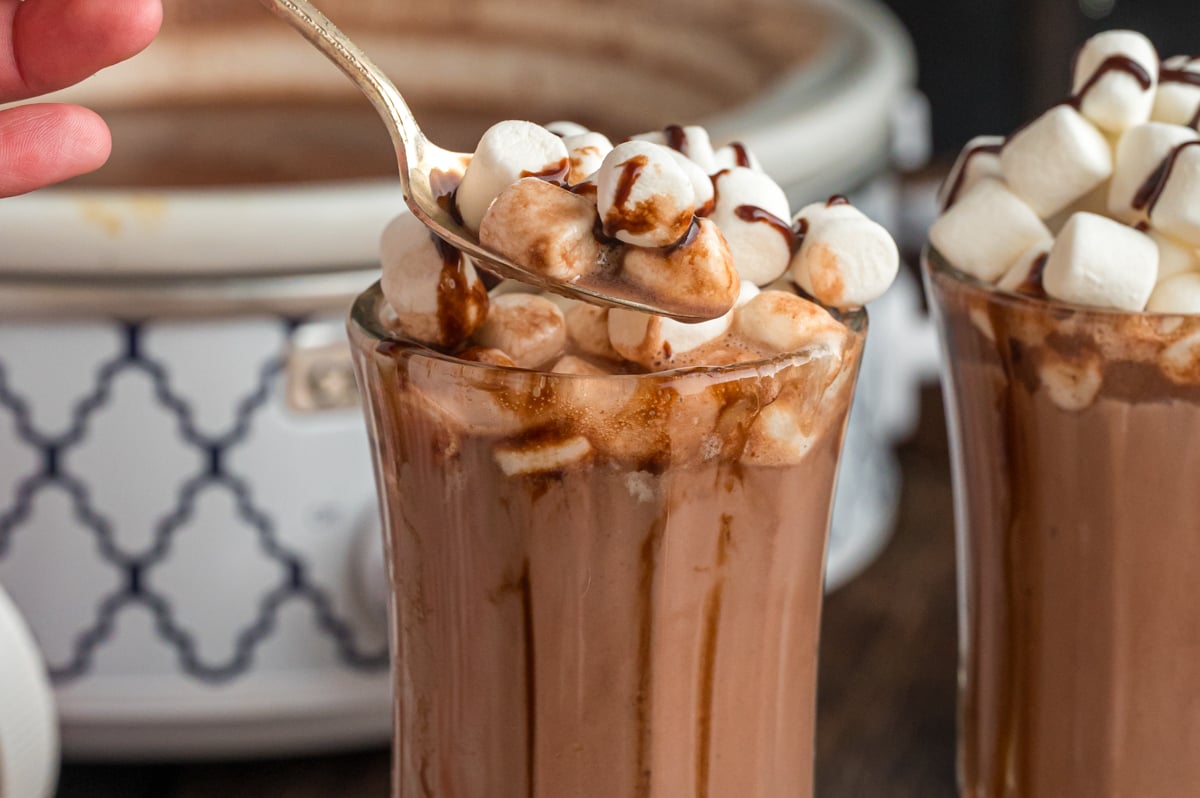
pixel 603 585
pixel 1075 437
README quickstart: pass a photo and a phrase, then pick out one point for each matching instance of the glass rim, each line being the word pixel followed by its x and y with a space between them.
pixel 364 317
pixel 935 264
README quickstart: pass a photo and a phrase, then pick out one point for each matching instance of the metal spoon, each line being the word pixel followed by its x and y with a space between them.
pixel 424 165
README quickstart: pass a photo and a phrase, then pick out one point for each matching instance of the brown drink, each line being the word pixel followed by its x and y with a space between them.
pixel 605 585
pixel 1076 439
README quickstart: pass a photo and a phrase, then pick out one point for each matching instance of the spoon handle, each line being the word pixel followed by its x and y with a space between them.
pixel 370 79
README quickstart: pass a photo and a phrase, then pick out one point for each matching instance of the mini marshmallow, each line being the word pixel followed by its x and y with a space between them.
pixel 570 364
pixel 653 341
pixel 1115 100
pixel 490 357
pixel 694 144
pixel 1173 257
pixel 564 128
pixel 846 260
pixel 587 330
pixel 507 152
pixel 530 328
pixel 1177 294
pixel 435 292
pixel 761 251
pixel 986 230
pixel 1020 275
pixel 778 435
pixel 544 228
pixel 1177 101
pixel 1140 152
pixel 1071 382
pixel 698 274
pixel 586 151
pixel 978 160
pixel 1176 211
pixel 524 457
pixel 1055 160
pixel 785 322
pixel 736 154
pixel 1100 262
pixel 643 196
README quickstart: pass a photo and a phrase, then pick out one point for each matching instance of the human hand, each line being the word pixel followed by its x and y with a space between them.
pixel 47 45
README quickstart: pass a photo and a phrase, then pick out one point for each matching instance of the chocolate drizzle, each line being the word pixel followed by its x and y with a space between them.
pixel 459 303
pixel 645 654
pixel 960 179
pixel 1033 285
pixel 835 200
pixel 530 680
pixel 708 662
pixel 677 138
pixel 794 237
pixel 1150 192
pixel 551 172
pixel 687 238
pixel 1114 63
pixel 741 155
pixel 1185 75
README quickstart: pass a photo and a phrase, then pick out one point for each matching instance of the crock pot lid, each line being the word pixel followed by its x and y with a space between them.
pixel 837 108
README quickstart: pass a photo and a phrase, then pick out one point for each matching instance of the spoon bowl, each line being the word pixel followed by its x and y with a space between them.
pixel 428 172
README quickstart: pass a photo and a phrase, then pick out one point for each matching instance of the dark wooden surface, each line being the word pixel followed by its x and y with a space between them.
pixel 886 723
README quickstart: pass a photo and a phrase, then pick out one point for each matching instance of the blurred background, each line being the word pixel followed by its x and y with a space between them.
pixel 988 66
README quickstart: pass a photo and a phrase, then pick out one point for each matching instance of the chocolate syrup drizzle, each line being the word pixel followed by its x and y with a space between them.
pixel 794 236
pixel 960 179
pixel 677 138
pixel 1114 63
pixel 1033 284
pixel 740 154
pixel 1151 191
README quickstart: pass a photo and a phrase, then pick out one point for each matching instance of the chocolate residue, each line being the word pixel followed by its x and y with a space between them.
pixel 1179 76
pixel 741 154
pixel 645 653
pixel 688 237
pixel 551 172
pixel 646 215
pixel 676 138
pixel 753 213
pixel 1195 123
pixel 530 679
pixel 459 303
pixel 1033 283
pixel 835 200
pixel 960 179
pixel 1150 192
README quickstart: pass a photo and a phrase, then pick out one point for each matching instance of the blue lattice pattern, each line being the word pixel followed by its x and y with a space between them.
pixel 133 587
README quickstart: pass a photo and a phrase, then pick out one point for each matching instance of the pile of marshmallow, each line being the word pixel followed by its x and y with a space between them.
pixel 696 224
pixel 1097 201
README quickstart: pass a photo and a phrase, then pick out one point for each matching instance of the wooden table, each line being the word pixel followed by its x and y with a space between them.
pixel 886 724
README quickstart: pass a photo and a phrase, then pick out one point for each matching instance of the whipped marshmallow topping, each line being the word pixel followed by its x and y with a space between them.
pixel 1096 201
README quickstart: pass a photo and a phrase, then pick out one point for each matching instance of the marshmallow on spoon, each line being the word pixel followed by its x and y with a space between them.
pixel 564 128
pixel 693 142
pixel 643 196
pixel 699 272
pixel 1140 153
pixel 544 228
pixel 507 152
pixel 761 251
pixel 846 260
pixel 1177 294
pixel 987 230
pixel 978 160
pixel 434 290
pixel 1175 210
pixel 1055 160
pixel 1117 99
pixel 1178 100
pixel 586 151
pixel 1100 262
pixel 529 328
pixel 702 184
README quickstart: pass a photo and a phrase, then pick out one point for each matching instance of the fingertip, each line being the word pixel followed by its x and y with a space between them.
pixel 47 143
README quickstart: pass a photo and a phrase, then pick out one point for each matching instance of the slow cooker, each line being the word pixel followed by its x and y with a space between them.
pixel 187 512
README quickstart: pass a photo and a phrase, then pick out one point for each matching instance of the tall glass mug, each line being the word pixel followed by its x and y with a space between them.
pixel 604 586
pixel 1076 444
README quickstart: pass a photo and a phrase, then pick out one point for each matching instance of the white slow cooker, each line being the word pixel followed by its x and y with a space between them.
pixel 187 516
